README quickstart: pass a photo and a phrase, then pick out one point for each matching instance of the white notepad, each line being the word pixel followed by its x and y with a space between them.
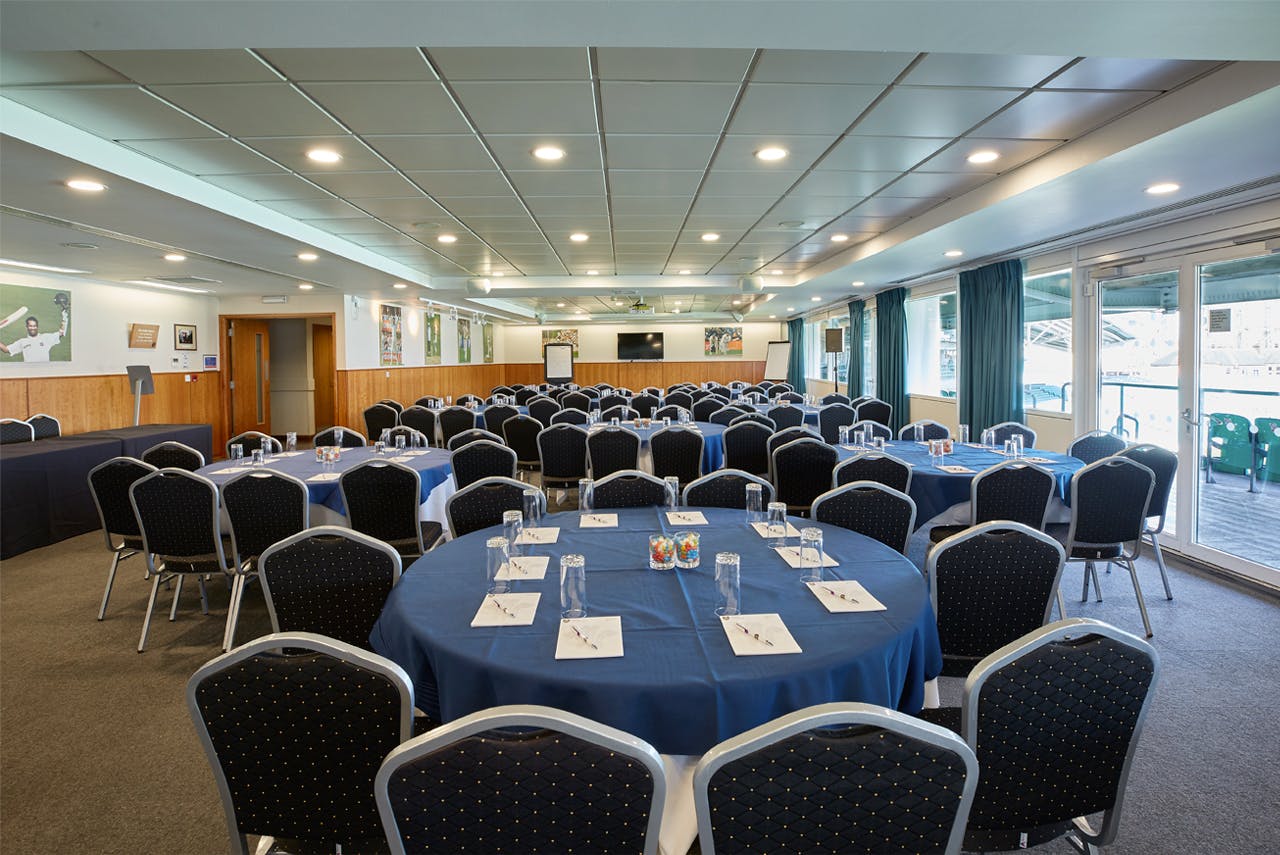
pixel 418 453
pixel 286 453
pixel 762 529
pixel 535 535
pixel 1037 460
pixel 232 470
pixel 956 470
pixel 590 638
pixel 506 610
pixel 758 635
pixel 403 458
pixel 326 476
pixel 845 596
pixel 525 567
pixel 791 555
pixel 686 518
pixel 598 521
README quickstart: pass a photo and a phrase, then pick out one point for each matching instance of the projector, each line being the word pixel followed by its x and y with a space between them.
pixel 640 307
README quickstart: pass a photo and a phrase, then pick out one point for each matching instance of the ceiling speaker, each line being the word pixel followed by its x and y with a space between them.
pixel 738 316
pixel 750 285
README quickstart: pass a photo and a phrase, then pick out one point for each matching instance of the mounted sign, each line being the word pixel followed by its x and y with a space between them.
pixel 557 362
pixel 1219 320
pixel 776 359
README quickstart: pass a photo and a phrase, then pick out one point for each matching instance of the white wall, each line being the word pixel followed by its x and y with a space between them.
pixel 361 318
pixel 599 342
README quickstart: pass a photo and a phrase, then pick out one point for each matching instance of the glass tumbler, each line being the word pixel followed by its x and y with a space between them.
pixel 811 554
pixel 688 549
pixel 844 434
pixel 338 436
pixel 877 442
pixel 755 504
pixel 917 433
pixel 573 586
pixel 777 525
pixel 988 439
pixel 532 500
pixel 963 438
pixel 379 447
pixel 257 457
pixel 496 550
pixel 268 446
pixel 1008 448
pixel 666 421
pixel 586 501
pixel 728 584
pixel 291 441
pixel 512 528
pixel 1019 445
pixel 400 438
pixel 859 437
pixel 613 422
pixel 673 491
pixel 662 552
pixel 237 451
pixel 385 437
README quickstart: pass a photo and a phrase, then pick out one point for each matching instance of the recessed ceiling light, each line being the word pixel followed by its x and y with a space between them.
pixel 773 317
pixel 954 253
pixel 579 237
pixel 166 286
pixel 548 152
pixel 1162 188
pixel 685 272
pixel 791 308
pixel 679 303
pixel 559 305
pixel 791 224
pixel 31 265
pixel 737 302
pixel 577 311
pixel 323 155
pixel 305 286
pixel 307 256
pixel 776 272
pixel 447 238
pixel 499 274
pixel 815 299
pixel 399 285
pixel 986 155
pixel 773 152
pixel 617 302
pixel 675 311
pixel 858 284
pixel 593 272
pixel 174 256
pixel 839 238
pixel 710 236
pixel 86 186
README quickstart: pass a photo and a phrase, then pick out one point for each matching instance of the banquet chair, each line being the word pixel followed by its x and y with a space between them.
pixel 496 415
pixel 109 483
pixel 860 400
pixel 991 585
pixel 1010 490
pixel 252 440
pixel 746 447
pixel 875 410
pixel 1095 445
pixel 481 459
pixel 422 420
pixel 382 501
pixel 570 416
pixel 1006 430
pixel 544 410
pixel 602 388
pixel 839 777
pixel 454 420
pixel 1054 719
pixel 645 404
pixel 182 536
pixel 678 399
pixel 788 396
pixel 562 449
pixel 1164 465
pixel 751 390
pixel 613 399
pixel 378 418
pixel 16 430
pixel 295 741
pixel 431 402
pixel 329 436
pixel 785 416
pixel 558 393
pixel 802 471
pixel 834 398
pixel 704 408
pixel 481 503
pixel 393 404
pixel 264 507
pixel 173 455
pixel 1109 501
pixel 560 782
pixel 724 416
pixel 576 401
pixel 671 411
pixel 652 390
pixel 832 417
pixel 503 390
pixel 873 466
pixel 621 413
pixel 524 396
pixel 44 426
pixel 328 580
pixel 591 392
pixel 464 400
pixel 779 388
pixel 677 451
pixel 521 436
pixel 726 488
pixel 412 437
pixel 873 429
pixel 628 488
pixel 879 512
pixel 784 435
pixel 758 418
pixel 929 429
pixel 610 449
pixel 467 437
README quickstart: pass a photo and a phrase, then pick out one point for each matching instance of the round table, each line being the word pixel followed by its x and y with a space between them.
pixel 678 686
pixel 712 442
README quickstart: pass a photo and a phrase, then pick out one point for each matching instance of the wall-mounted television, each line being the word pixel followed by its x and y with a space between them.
pixel 639 345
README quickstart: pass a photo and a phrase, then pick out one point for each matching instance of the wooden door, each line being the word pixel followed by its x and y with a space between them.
pixel 250 349
pixel 322 369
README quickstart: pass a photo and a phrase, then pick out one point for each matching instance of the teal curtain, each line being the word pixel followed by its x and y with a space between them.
pixel 991 345
pixel 854 389
pixel 891 350
pixel 795 367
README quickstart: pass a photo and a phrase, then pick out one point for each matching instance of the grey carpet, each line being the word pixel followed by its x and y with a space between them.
pixel 97 753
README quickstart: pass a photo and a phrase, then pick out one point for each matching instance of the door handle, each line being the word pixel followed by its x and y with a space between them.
pixel 1190 419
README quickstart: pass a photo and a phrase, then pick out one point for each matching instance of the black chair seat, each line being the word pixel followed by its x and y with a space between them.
pixel 948 717
pixel 1058 531
pixel 939 533
pixel 431 532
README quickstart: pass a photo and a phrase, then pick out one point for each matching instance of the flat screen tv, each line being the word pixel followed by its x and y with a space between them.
pixel 639 345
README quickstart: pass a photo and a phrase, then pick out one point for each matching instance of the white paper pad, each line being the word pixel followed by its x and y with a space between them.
pixel 604 632
pixel 956 470
pixel 286 453
pixel 791 555
pixel 762 529
pixel 522 606
pixel 855 597
pixel 686 518
pixel 534 535
pixel 758 629
pixel 418 453
pixel 855 447
pixel 525 567
pixel 403 458
pixel 1037 460
pixel 325 476
pixel 598 521
pixel 232 470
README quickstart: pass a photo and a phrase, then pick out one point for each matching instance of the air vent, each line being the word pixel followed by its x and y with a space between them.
pixel 185 280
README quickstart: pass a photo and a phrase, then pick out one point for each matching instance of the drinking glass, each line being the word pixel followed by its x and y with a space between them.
pixel 385 437
pixel 399 442
pixel 688 549
pixel 338 436
pixel 512 528
pixel 666 421
pixel 291 441
pixel 777 526
pixel 810 555
pixel 963 438
pixel 379 447
pixel 613 422
pixel 877 442
pixel 662 552
pixel 1019 445
pixel 257 457
pixel 268 446
pixel 755 504
pixel 532 500
pixel 988 438
pixel 917 433
pixel 1008 448
pixel 728 584
pixel 573 586
pixel 673 491
pixel 585 495
pixel 844 434
pixel 237 451
pixel 496 549
pixel 859 437
pixel 448 400
pixel 935 451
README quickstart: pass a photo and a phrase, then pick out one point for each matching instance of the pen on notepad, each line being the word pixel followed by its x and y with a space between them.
pixel 506 611
pixel 580 634
pixel 835 593
pixel 757 636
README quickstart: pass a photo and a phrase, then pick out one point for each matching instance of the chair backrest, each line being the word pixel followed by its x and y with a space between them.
pixel 1095 445
pixel 591 392
pixel 412 436
pixel 842 777
pixel 802 471
pixel 1006 430
pixel 329 580
pixel 621 412
pixel 873 466
pixel 378 418
pixel 614 400
pixel 464 400
pixel 382 500
pixel 726 488
pixel 1054 719
pixel 44 426
pixel 679 399
pixel 544 410
pixel 576 401
pixel 178 517
pixel 786 416
pixel 834 398
pixel 645 404
pixel 703 409
pixel 746 447
pixel 16 430
pixel 832 417
pixel 264 507
pixel 562 449
pixel 504 390
pixel 466 437
pixel 454 420
pixel 495 415
pixel 588 787
pixel 792 397
pixel 875 410
pixel 1012 490
pixel 758 418
pixel 480 504
pixel 720 390
pixel 329 436
pixel 173 455
pixel 393 404
pixel 521 435
pixel 628 488
pixel 991 585
pixel 671 411
pixel 570 416
pixel 524 396
pixel 316 725
pixel 725 416
pixel 677 451
pixel 1109 501
pixel 929 429
pixel 482 459
pixel 252 440
pixel 109 482
pixel 420 419
pixel 879 512
pixel 610 449
pixel 1163 463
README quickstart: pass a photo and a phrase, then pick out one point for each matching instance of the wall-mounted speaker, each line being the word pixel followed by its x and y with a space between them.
pixel 835 340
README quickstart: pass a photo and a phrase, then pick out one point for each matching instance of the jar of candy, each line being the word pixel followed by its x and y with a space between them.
pixel 662 552
pixel 688 553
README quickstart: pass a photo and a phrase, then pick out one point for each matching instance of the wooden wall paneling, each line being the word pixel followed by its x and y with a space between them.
pixel 13 398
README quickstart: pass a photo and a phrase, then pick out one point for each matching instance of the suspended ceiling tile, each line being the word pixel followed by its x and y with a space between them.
pixel 936 112
pixel 810 210
pixel 711 222
pixel 560 227
pixel 483 206
pixel 386 238
pixel 309 65
pixel 881 154
pixel 158 67
pixel 861 222
pixel 738 151
pixel 460 184
pixel 842 185
pixel 573 207
pixel 29 68
pixel 892 207
pixel 291 152
pixel 515 151
pixel 530 237
pixel 707 205
pixel 1061 115
pixel 364 185
pixel 638 268
pixel 507 63
pixel 529 108
pixel 686 64
pixel 801 108
pixel 821 66
pixel 406 210
pixel 677 206
pixel 390 108
pixel 964 69
pixel 928 185
pixel 724 182
pixel 113 113
pixel 659 151
pixel 673 108
pixel 1013 153
pixel 252 109
pixel 310 208
pixel 421 152
pixel 651 182
pixel 499 223
pixel 203 157
pixel 1117 73
pixel 558 183
pixel 279 185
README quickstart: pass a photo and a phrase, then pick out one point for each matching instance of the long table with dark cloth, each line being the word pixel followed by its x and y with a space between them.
pixel 712 440
pixel 135 440
pixel 679 685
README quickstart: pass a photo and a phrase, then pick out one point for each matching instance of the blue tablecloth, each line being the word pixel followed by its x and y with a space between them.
pixel 712 441
pixel 679 685
pixel 810 413
pixel 433 470
pixel 934 491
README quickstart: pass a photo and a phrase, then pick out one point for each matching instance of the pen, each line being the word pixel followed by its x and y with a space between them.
pixel 835 593
pixel 579 633
pixel 505 610
pixel 754 635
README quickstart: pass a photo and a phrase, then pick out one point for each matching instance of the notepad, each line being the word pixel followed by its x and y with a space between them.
pixel 598 521
pixel 758 635
pixel 324 477
pixel 590 638
pixel 232 470
pixel 535 534
pixel 507 610
pixel 418 453
pixel 845 596
pixel 286 453
pixel 403 458
pixel 1036 460
pixel 524 567
pixel 762 529
pixel 955 470
pixel 791 555
pixel 686 518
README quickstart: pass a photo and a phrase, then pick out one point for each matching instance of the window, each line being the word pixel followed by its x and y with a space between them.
pixel 817 360
pixel 1046 342
pixel 931 345
pixel 869 350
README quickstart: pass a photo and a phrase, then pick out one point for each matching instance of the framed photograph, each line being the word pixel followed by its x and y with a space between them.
pixel 211 362
pixel 184 336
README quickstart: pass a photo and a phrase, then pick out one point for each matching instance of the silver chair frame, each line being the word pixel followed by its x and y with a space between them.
pixel 874 485
pixel 422 547
pixel 276 446
pixel 870 455
pixel 173 443
pixel 931 562
pixel 1023 429
pixel 626 473
pixel 766 489
pixel 345 430
pixel 676 428
pixel 904 432
pixel 488 482
pixel 118 551
pixel 54 419
pixel 611 428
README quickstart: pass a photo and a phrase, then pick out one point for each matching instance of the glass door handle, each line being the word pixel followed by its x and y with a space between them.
pixel 1189 418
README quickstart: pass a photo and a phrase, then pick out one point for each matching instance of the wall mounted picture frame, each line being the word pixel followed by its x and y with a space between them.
pixel 722 341
pixel 184 336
